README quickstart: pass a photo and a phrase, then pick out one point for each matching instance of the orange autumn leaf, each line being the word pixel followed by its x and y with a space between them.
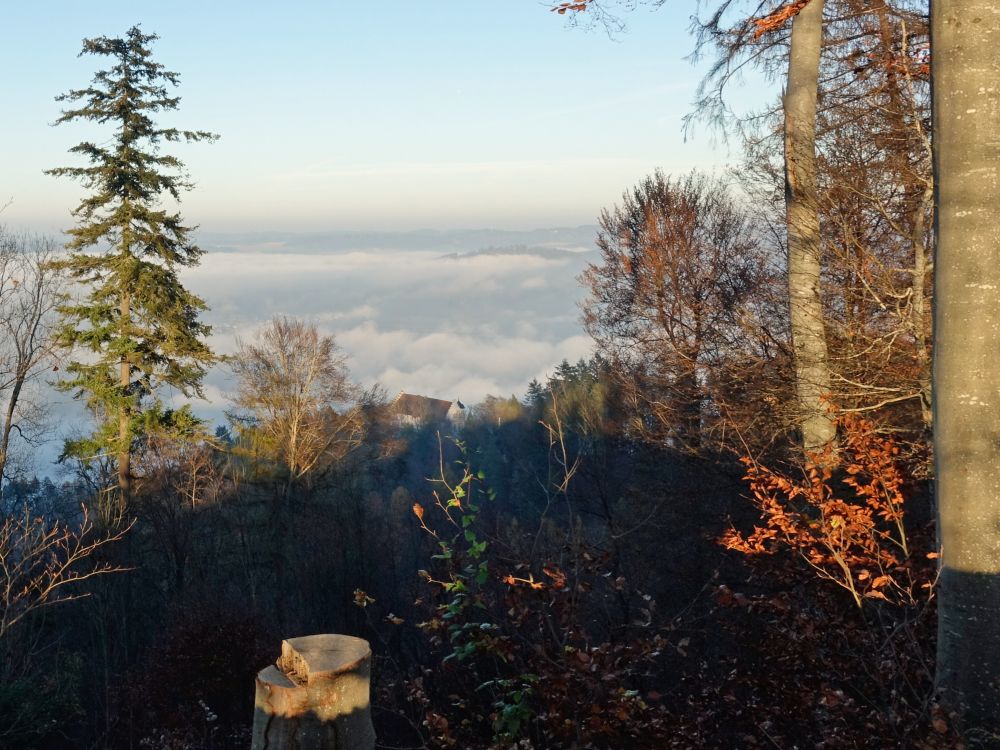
pixel 777 18
pixel 849 532
pixel 561 8
pixel 529 581
pixel 557 576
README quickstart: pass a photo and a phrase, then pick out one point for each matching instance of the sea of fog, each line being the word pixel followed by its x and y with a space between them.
pixel 452 315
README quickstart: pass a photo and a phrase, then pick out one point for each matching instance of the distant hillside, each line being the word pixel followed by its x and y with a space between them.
pixel 453 241
pixel 538 251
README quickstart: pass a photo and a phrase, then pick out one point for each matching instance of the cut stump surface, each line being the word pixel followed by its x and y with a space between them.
pixel 316 696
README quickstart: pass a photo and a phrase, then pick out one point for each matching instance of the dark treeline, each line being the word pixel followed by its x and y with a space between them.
pixel 232 551
pixel 540 572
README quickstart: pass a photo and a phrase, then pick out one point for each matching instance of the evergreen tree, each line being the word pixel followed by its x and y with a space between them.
pixel 138 323
pixel 565 372
pixel 536 395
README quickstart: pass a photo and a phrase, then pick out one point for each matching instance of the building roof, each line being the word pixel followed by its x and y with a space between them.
pixel 420 408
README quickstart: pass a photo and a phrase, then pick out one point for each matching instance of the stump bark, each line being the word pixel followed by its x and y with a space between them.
pixel 316 696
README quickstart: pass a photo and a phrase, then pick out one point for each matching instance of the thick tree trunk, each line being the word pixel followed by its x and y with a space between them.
pixel 8 426
pixel 918 313
pixel 812 373
pixel 316 697
pixel 688 399
pixel 966 111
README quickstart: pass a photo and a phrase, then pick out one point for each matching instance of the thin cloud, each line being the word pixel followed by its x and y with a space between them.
pixel 464 169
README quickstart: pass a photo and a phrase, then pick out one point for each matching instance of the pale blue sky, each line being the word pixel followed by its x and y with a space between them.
pixel 364 114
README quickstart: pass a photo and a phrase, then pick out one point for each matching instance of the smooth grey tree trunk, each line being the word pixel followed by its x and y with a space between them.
pixel 965 71
pixel 812 371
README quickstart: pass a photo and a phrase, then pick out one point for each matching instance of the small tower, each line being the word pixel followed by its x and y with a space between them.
pixel 457 413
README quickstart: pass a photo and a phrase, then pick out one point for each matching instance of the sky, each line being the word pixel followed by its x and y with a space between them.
pixel 344 127
pixel 395 114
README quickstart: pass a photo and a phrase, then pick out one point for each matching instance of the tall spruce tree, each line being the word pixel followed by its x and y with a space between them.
pixel 138 323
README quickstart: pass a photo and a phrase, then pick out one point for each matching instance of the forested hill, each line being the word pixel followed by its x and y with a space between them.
pixel 550 253
pixel 456 241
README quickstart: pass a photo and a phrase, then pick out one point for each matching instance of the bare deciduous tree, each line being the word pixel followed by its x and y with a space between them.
pixel 29 291
pixel 294 398
pixel 42 562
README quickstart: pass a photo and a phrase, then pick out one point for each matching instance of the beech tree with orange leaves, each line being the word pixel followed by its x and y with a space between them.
pixel 875 212
pixel 801 175
pixel 675 304
pixel 856 206
pixel 805 302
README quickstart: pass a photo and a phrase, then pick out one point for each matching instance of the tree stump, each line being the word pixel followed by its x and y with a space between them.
pixel 316 697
